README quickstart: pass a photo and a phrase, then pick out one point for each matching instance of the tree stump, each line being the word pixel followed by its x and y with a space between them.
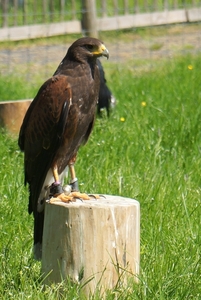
pixel 12 114
pixel 94 240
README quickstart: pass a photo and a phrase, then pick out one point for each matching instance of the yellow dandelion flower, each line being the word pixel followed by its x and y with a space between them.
pixel 190 67
pixel 143 103
pixel 122 119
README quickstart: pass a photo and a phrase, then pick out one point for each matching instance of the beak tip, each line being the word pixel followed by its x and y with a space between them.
pixel 106 53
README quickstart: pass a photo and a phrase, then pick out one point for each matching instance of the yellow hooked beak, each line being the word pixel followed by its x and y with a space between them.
pixel 101 51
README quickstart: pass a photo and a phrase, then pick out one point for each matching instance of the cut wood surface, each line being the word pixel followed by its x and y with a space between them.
pixel 93 239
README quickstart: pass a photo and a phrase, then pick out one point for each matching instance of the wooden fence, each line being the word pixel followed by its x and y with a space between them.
pixel 25 19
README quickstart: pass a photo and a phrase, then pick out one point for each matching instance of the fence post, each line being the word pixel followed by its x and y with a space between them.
pixel 89 18
pixel 4 13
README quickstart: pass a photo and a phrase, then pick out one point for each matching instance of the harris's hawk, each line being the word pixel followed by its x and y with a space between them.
pixel 105 99
pixel 58 121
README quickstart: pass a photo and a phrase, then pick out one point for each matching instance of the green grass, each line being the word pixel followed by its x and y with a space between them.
pixel 13 88
pixel 153 156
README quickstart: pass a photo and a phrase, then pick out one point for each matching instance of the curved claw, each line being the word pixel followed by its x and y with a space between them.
pixel 94 196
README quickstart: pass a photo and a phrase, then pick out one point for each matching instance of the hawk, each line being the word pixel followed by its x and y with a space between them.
pixel 106 98
pixel 59 120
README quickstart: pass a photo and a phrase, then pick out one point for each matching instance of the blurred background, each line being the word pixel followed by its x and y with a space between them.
pixel 35 34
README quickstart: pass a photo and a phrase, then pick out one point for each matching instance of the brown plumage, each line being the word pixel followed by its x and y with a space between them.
pixel 58 121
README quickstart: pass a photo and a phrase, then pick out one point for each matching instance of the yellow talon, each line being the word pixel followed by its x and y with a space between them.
pixel 62 197
pixel 79 195
pixel 72 197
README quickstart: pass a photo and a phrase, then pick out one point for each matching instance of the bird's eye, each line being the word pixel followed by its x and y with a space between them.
pixel 89 47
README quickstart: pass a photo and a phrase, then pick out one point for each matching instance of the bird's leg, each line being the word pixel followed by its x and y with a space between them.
pixel 56 187
pixel 74 181
pixel 59 193
pixel 56 190
pixel 55 174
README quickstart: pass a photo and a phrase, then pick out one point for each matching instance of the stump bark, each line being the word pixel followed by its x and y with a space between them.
pixel 95 240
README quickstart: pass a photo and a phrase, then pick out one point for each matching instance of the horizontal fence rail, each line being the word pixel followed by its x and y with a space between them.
pixel 25 19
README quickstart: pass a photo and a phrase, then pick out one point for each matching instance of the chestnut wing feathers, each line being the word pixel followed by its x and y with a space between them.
pixel 44 131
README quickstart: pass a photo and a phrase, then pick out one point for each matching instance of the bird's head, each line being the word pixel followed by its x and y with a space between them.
pixel 87 48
